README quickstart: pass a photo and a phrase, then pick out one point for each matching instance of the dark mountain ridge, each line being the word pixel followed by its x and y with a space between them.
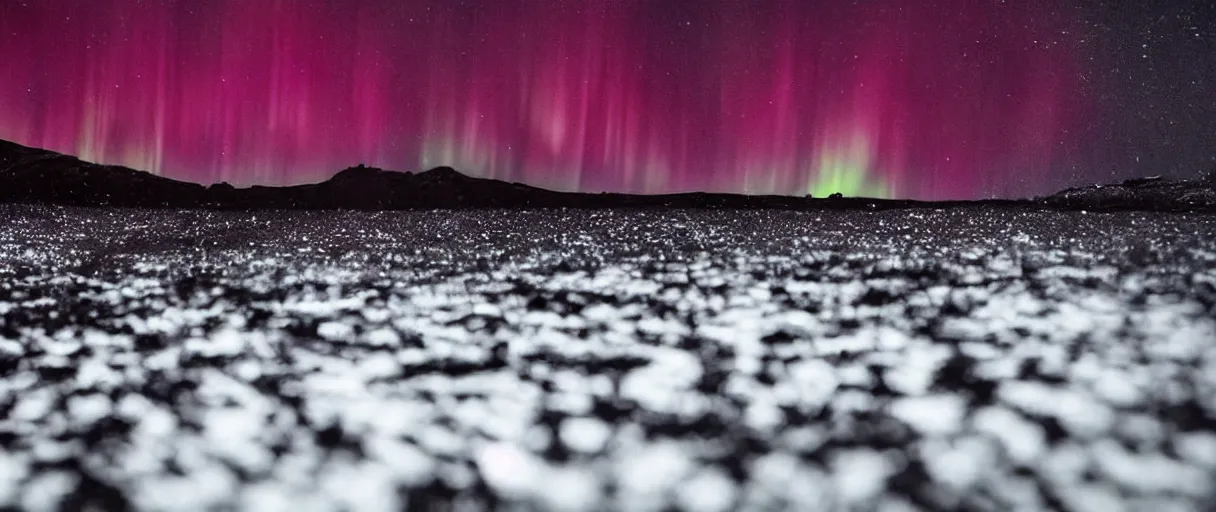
pixel 1152 193
pixel 30 175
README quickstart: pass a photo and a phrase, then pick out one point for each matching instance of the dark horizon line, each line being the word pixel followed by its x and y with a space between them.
pixel 34 175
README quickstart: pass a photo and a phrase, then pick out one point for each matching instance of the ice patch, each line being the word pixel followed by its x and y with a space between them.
pixel 89 408
pixel 441 440
pixel 860 475
pixel 32 406
pixel 814 381
pixel 1065 463
pixel 916 371
pixel 268 497
pixel 855 375
pixel 1141 428
pixel 1090 498
pixel 1083 416
pixel 1150 473
pixel 13 470
pixel 1023 440
pixel 571 489
pixel 46 489
pixel 510 470
pixel 232 434
pixel 763 414
pixel 772 474
pixel 60 348
pixel 11 348
pixel 1032 397
pixel 708 490
pixel 1078 412
pixel 586 435
pixel 379 366
pixel 653 470
pixel 656 384
pixel 409 464
pixel 335 331
pixel 1117 388
pixel 800 323
pixel 221 343
pixel 1198 448
pixel 933 415
pixel 959 464
pixel 383 337
pixel 361 487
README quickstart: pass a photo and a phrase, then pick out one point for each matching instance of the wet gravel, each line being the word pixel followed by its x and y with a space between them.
pixel 972 358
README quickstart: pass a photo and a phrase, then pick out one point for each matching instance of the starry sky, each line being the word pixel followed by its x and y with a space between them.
pixel 928 99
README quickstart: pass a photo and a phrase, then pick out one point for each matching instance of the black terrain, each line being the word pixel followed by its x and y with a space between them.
pixel 37 176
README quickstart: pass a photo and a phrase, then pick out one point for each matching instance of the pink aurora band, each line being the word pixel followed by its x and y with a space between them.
pixel 946 99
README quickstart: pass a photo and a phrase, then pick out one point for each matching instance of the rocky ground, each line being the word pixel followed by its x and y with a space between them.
pixel 974 358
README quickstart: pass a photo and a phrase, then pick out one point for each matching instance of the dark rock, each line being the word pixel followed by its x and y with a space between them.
pixel 331 436
pixel 1209 177
pixel 1151 193
pixel 1134 182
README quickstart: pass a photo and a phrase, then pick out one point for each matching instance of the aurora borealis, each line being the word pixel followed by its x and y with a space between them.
pixel 942 99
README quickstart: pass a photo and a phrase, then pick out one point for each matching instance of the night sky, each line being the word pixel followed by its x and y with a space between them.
pixel 925 99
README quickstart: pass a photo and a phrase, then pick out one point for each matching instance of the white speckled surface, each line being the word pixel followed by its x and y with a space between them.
pixel 969 359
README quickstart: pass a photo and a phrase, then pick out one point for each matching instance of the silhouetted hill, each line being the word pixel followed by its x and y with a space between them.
pixel 36 175
pixel 30 175
pixel 1153 193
